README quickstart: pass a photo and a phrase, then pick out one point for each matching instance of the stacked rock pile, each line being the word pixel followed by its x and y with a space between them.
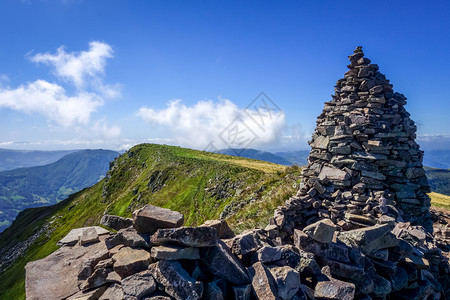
pixel 364 163
pixel 155 258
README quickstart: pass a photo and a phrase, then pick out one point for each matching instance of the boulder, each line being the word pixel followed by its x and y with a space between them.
pixel 176 281
pixel 242 292
pixel 247 242
pixel 114 291
pixel 269 254
pixel 334 289
pixel 88 236
pixel 170 252
pixel 186 236
pixel 116 222
pixel 263 284
pixel 222 228
pixel 139 285
pixel 72 237
pixel 56 276
pixel 287 281
pixel 220 262
pixel 129 261
pixel 322 231
pixel 127 237
pixel 363 237
pixel 150 218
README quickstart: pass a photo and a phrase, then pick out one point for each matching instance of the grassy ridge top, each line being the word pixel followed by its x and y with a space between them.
pixel 199 184
pixel 439 200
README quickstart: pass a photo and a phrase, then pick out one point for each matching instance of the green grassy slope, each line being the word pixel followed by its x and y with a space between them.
pixel 199 184
pixel 43 185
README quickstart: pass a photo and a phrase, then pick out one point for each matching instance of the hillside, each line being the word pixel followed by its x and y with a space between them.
pixel 14 159
pixel 200 185
pixel 44 185
pixel 256 154
pixel 439 180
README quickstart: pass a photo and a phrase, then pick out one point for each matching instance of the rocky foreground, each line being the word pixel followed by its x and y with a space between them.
pixel 152 257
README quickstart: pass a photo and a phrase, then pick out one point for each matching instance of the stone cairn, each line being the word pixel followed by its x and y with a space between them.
pixel 359 227
pixel 364 163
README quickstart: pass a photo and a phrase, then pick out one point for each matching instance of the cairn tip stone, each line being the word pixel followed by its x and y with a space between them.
pixel 149 219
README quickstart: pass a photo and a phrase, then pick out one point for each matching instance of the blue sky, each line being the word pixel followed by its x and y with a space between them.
pixel 111 74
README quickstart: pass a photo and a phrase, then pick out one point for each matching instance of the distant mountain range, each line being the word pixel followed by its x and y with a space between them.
pixel 282 158
pixel 437 159
pixel 44 185
pixel 14 159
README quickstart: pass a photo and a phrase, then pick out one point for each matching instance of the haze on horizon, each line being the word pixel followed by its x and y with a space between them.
pixel 112 74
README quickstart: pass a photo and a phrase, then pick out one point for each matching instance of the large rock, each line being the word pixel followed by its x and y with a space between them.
pixel 335 289
pixel 333 174
pixel 169 252
pixel 73 236
pixel 129 261
pixel 222 263
pixel 176 281
pixel 223 230
pixel 263 284
pixel 113 292
pixel 186 236
pixel 322 231
pixel 247 242
pixel 127 237
pixel 116 222
pixel 363 237
pixel 56 276
pixel 88 236
pixel 139 285
pixel 287 281
pixel 150 218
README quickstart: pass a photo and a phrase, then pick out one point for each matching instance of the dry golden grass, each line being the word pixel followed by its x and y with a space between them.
pixel 440 200
pixel 263 166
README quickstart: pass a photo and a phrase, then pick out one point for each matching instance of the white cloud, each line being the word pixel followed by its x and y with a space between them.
pixel 52 101
pixel 217 124
pixel 70 110
pixel 102 129
pixel 78 68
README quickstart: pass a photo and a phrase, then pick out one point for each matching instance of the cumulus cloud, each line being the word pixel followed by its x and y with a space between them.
pixel 84 71
pixel 216 125
pixel 77 67
pixel 51 100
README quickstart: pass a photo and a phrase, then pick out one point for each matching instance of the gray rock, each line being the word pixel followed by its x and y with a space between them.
pixel 127 237
pixel 150 218
pixel 222 228
pixel 116 222
pixel 242 292
pixel 43 277
pixel 176 281
pixel 247 242
pixel 322 231
pixel 287 281
pixel 139 285
pixel 113 292
pixel 364 236
pixel 88 236
pixel 213 292
pixel 72 237
pixel 269 254
pixel 263 284
pixel 333 174
pixel 186 236
pixel 400 279
pixel 129 261
pixel 222 263
pixel 335 289
pixel 382 287
pixel 169 252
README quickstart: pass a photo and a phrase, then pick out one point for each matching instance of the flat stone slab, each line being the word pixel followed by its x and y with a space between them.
pixel 129 261
pixel 174 252
pixel 335 289
pixel 72 237
pixel 56 276
pixel 150 218
pixel 186 236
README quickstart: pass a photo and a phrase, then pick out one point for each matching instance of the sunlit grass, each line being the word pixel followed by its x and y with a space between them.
pixel 440 200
